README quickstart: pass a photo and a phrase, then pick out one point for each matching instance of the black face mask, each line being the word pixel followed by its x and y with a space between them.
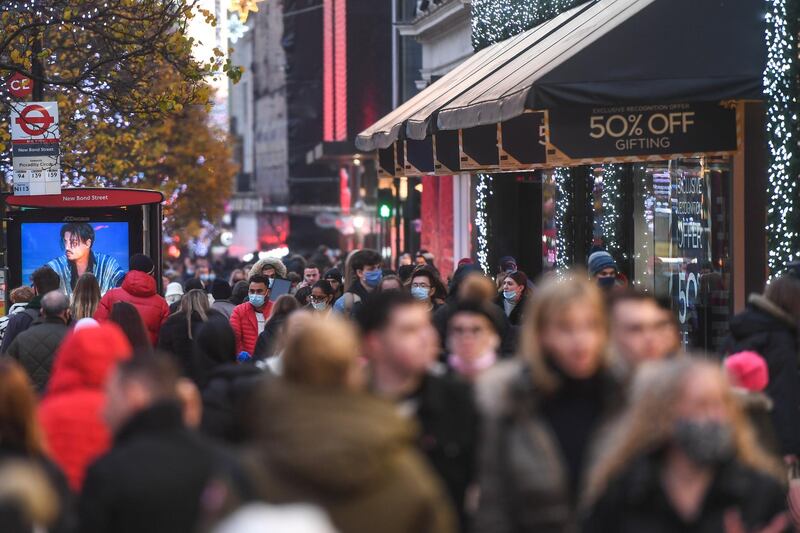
pixel 706 442
pixel 606 283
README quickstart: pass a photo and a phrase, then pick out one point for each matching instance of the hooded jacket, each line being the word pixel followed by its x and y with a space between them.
pixel 351 454
pixel 767 330
pixel 139 290
pixel 70 412
pixel 261 264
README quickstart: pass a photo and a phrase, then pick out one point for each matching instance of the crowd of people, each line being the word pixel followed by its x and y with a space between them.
pixel 320 396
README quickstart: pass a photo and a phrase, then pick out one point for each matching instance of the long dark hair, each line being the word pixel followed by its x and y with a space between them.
pixel 127 317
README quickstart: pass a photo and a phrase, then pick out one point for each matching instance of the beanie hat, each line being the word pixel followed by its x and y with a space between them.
pixel 333 273
pixel 599 261
pixel 174 289
pixel 142 263
pixel 748 370
pixel 508 264
pixel 465 261
pixel 220 289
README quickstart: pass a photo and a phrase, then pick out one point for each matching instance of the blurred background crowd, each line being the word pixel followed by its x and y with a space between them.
pixel 331 393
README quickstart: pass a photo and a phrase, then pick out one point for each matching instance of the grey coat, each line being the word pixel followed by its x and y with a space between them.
pixel 524 484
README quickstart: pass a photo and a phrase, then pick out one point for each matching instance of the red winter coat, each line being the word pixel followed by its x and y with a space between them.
pixel 138 289
pixel 71 411
pixel 245 326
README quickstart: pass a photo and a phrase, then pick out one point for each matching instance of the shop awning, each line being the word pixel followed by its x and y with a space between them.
pixel 605 52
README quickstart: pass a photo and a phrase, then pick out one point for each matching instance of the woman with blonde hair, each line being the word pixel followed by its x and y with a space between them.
pixel 178 332
pixel 684 458
pixel 363 463
pixel 544 411
pixel 85 297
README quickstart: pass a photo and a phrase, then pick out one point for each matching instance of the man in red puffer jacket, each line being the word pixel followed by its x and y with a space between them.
pixel 70 412
pixel 248 319
pixel 138 289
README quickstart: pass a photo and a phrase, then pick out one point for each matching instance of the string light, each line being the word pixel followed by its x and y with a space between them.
pixel 609 223
pixel 562 178
pixel 496 20
pixel 780 89
pixel 483 190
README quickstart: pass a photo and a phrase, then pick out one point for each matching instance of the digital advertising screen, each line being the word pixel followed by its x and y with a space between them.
pixel 101 248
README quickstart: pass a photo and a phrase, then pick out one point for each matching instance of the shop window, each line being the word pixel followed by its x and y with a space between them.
pixel 682 243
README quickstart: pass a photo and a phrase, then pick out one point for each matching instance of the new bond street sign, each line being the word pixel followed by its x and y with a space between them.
pixel 35 148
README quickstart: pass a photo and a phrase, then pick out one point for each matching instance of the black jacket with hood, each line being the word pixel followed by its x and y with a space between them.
pixel 766 329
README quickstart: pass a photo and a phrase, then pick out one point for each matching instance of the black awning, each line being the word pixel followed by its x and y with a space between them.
pixel 670 51
pixel 605 52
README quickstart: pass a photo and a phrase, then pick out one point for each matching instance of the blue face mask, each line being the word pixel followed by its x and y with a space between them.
pixel 256 300
pixel 373 277
pixel 606 283
pixel 510 295
pixel 420 293
pixel 319 306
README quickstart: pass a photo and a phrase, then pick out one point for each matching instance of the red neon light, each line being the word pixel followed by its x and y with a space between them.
pixel 340 61
pixel 327 72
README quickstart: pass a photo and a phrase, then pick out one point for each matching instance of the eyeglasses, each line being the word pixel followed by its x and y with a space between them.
pixel 420 286
pixel 476 330
pixel 317 299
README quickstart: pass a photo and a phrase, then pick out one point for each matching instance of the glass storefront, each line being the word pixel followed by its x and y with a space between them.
pixel 668 225
pixel 682 243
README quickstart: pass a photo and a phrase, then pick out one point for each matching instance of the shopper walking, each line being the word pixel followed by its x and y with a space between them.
pixel 153 477
pixel 130 322
pixel 180 329
pixel 543 413
pixel 362 468
pixel 85 297
pixel 139 289
pixel 249 319
pixel 769 327
pixel 35 348
pixel 684 459
pixel 70 411
pixel 44 280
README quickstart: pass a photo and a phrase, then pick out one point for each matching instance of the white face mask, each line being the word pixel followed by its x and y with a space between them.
pixel 319 306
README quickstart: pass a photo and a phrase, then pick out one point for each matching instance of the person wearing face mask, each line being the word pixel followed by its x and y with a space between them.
pixel 474 330
pixel 425 286
pixel 249 319
pixel 364 273
pixel 603 269
pixel 513 296
pixel 321 297
pixel 544 412
pixel 684 459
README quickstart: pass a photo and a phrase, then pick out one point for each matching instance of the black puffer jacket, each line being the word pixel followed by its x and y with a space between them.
pixel 35 349
pixel 226 396
pixel 766 329
pixel 174 339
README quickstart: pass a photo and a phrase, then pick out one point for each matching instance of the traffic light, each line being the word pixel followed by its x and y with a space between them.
pixel 385 201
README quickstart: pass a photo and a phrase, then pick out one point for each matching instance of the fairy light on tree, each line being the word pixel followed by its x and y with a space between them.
pixel 781 89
